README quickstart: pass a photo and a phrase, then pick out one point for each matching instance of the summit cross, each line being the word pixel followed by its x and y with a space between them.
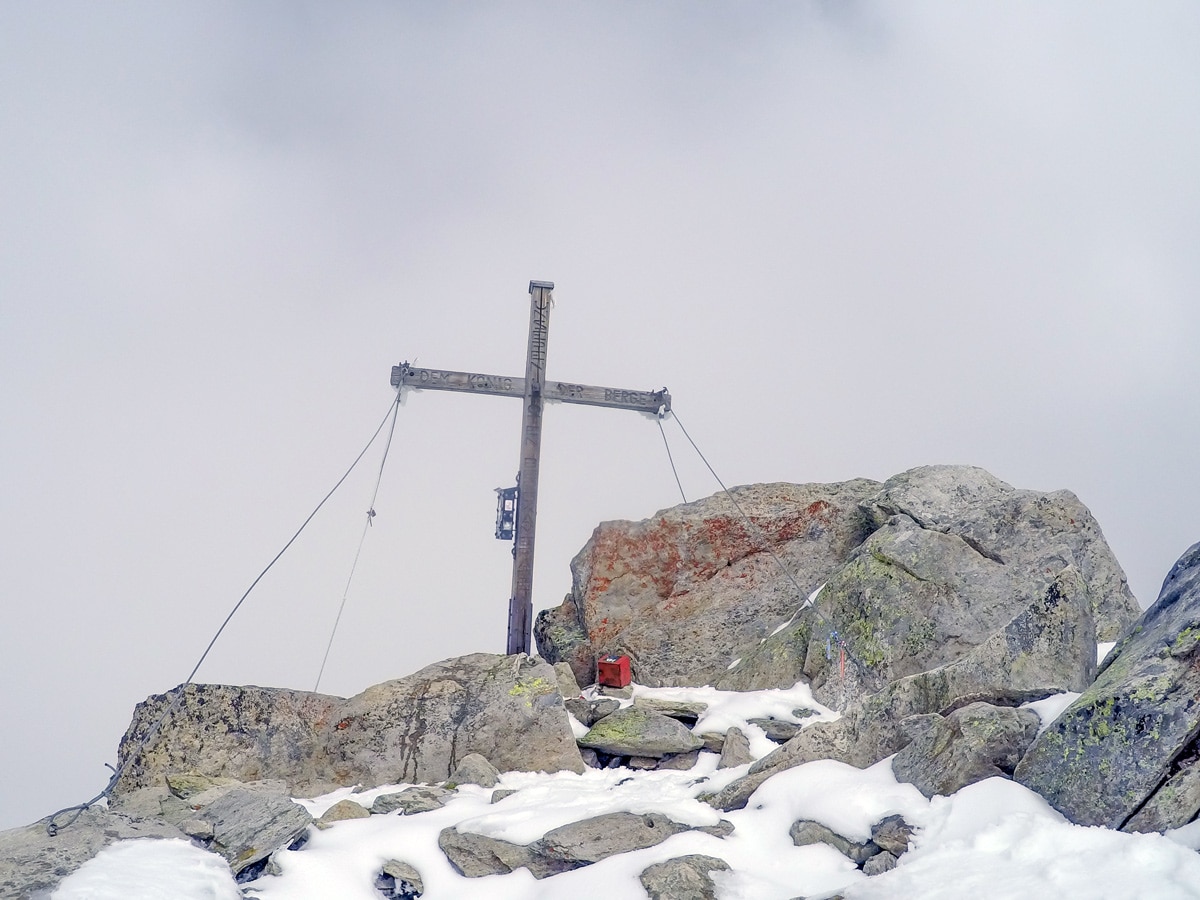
pixel 534 390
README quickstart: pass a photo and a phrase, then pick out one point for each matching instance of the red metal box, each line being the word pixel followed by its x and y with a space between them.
pixel 613 671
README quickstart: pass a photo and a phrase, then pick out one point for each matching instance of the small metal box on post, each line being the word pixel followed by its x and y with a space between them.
pixel 506 513
pixel 613 671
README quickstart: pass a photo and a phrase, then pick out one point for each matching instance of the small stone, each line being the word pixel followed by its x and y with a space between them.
pixel 341 811
pixel 567 685
pixel 714 741
pixel 777 730
pixel 591 758
pixel 805 832
pixel 643 762
pixel 399 881
pixel 679 761
pixel 476 856
pixel 892 834
pixel 604 706
pixel 589 841
pixel 474 769
pixel 500 793
pixel 581 709
pixel 722 829
pixel 736 750
pixel 879 863
pixel 198 829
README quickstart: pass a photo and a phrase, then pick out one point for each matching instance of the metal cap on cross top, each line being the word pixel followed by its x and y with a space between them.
pixel 533 390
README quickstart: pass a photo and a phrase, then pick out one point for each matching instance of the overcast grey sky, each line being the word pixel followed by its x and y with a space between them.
pixel 851 238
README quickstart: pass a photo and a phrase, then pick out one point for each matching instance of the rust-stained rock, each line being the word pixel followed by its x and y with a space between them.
pixel 686 591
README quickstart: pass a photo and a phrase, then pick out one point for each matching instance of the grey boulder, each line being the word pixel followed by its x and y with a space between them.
pixel 1044 650
pixel 413 729
pixel 637 732
pixel 954 554
pixel 342 811
pixel 474 769
pixel 1112 749
pixel 249 825
pixel 418 729
pixel 683 878
pixel 975 742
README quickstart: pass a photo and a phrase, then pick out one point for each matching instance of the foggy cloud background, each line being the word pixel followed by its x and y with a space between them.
pixel 850 238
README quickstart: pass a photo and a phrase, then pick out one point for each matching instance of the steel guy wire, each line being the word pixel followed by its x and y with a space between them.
pixel 362 538
pixel 52 826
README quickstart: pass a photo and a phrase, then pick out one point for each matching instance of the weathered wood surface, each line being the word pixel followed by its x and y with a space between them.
pixel 510 386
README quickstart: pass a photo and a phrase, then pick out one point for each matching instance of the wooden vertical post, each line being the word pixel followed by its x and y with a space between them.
pixel 520 604
pixel 533 390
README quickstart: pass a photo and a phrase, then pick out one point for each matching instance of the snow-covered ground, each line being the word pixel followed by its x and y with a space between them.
pixel 994 839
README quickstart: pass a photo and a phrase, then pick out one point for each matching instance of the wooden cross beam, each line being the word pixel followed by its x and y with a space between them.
pixel 534 390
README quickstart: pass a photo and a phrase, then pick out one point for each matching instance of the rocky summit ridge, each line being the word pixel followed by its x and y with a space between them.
pixel 925 612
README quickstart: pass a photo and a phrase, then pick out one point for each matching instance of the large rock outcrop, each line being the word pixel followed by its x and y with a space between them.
pixel 917 572
pixel 956 554
pixel 682 591
pixel 415 729
pixel 1046 649
pixel 1128 742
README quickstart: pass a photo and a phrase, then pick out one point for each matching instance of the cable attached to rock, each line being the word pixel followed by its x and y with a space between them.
pixel 52 825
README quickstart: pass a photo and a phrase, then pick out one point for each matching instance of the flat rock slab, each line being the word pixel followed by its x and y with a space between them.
pixel 31 861
pixel 685 711
pixel 638 732
pixel 1172 806
pixel 248 826
pixel 413 800
pixel 598 838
